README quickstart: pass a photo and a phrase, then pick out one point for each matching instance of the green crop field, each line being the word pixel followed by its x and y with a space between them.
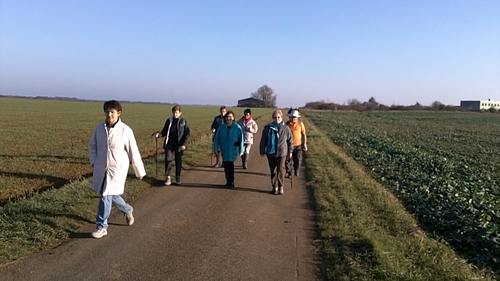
pixel 442 166
pixel 45 142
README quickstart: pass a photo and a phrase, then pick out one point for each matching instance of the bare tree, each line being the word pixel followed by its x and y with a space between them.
pixel 266 94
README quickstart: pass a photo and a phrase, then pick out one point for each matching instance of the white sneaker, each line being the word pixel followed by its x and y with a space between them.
pixel 99 233
pixel 130 218
pixel 281 189
pixel 168 182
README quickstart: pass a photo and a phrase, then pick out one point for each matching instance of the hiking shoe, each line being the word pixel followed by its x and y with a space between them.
pixel 130 218
pixel 280 190
pixel 177 180
pixel 168 181
pixel 99 233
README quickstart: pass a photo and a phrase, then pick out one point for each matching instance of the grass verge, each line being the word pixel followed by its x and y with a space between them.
pixel 366 233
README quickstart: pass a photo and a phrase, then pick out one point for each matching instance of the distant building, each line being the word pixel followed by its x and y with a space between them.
pixel 480 104
pixel 250 102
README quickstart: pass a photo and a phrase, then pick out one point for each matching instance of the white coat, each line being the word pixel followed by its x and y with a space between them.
pixel 110 152
pixel 249 128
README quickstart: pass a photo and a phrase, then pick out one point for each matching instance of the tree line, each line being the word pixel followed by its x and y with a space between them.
pixel 373 105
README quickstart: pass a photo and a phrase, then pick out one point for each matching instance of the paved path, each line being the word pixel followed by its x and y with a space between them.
pixel 197 231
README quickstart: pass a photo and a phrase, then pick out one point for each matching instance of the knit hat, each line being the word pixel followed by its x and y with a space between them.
pixel 247 111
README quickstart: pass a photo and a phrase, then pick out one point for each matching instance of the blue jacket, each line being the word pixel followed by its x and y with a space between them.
pixel 230 140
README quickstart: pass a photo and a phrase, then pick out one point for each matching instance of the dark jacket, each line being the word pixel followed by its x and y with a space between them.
pixel 285 141
pixel 182 132
pixel 218 121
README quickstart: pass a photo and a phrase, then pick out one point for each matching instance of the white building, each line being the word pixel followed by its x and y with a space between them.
pixel 480 104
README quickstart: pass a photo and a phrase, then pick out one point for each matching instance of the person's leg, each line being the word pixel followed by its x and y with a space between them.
pixel 272 168
pixel 124 207
pixel 104 210
pixel 226 173
pixel 297 158
pixel 230 172
pixel 288 166
pixel 178 165
pixel 246 155
pixel 281 172
pixel 168 164
pixel 121 204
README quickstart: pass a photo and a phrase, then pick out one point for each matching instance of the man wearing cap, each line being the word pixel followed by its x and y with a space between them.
pixel 249 127
pixel 299 143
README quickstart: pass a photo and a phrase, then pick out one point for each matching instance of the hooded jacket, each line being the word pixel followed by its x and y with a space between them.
pixel 111 149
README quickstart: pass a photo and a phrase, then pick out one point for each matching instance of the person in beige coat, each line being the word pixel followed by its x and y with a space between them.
pixel 249 127
pixel 111 149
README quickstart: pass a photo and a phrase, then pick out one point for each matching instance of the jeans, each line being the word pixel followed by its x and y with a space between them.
pixel 105 204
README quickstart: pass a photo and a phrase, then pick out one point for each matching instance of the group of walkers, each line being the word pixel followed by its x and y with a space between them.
pixel 113 146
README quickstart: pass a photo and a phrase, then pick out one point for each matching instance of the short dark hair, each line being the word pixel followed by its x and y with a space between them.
pixel 176 107
pixel 247 111
pixel 222 107
pixel 112 104
pixel 229 112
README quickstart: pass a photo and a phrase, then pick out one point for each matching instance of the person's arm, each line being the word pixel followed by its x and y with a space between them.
pixel 214 124
pixel 216 141
pixel 263 141
pixel 134 155
pixel 254 128
pixel 241 140
pixel 185 136
pixel 93 148
pixel 289 141
pixel 163 132
pixel 304 136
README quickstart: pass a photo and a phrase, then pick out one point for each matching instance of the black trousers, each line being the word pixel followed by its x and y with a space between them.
pixel 295 161
pixel 229 171
pixel 277 168
pixel 170 152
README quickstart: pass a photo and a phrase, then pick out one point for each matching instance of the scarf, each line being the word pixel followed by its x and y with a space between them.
pixel 273 137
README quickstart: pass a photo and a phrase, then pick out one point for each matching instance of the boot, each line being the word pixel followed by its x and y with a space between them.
pixel 274 191
pixel 168 182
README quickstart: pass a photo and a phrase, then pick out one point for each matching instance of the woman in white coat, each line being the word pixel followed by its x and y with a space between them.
pixel 249 127
pixel 111 148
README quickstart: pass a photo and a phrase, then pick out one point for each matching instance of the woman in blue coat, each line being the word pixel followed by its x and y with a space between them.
pixel 229 137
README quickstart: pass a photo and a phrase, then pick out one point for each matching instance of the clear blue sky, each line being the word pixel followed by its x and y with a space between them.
pixel 216 52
